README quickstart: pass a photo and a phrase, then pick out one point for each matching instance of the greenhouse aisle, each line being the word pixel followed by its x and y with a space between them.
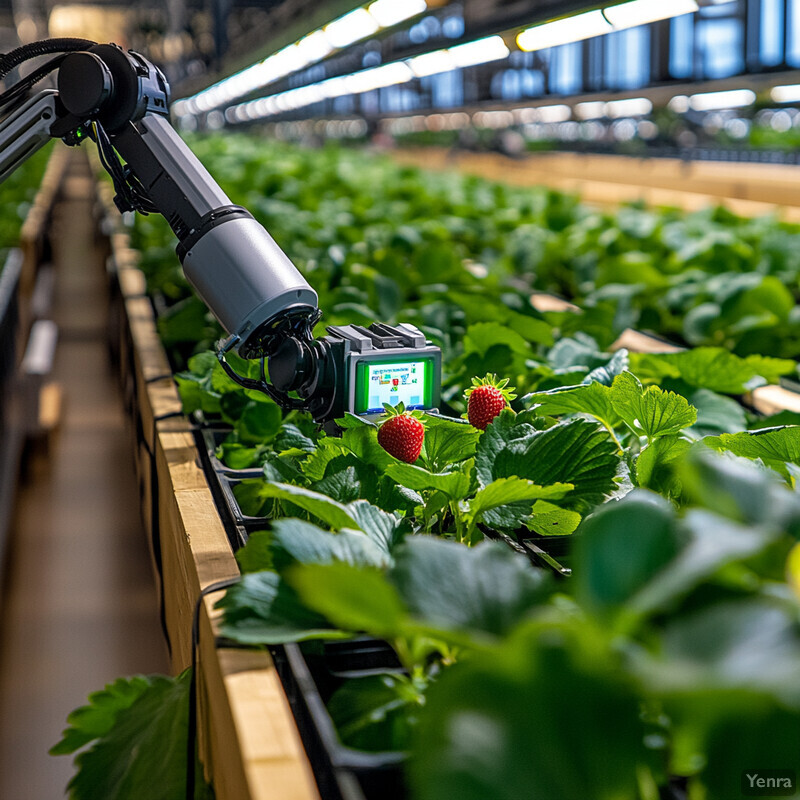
pixel 80 607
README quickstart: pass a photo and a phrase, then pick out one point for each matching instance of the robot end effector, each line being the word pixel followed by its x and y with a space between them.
pixel 121 100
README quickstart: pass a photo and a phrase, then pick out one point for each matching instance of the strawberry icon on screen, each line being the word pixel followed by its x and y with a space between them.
pixel 395 381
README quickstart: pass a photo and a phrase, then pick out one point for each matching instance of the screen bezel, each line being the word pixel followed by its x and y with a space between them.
pixel 362 381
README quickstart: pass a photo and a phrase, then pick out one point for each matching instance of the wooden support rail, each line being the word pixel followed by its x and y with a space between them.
pixel 751 190
pixel 248 740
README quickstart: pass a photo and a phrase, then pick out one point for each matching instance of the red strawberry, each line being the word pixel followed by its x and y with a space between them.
pixel 402 434
pixel 486 399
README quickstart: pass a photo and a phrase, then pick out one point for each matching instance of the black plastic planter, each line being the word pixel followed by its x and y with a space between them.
pixel 309 679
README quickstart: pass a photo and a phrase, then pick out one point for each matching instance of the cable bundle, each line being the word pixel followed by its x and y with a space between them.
pixel 8 61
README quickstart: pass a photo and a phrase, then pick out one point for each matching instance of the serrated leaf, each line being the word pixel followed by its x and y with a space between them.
pixel 98 717
pixel 577 451
pixel 592 398
pixel 502 434
pixel 456 484
pixel 651 411
pixel 511 492
pixel 770 444
pixel 143 754
pixel 315 465
pixel 655 465
pixel 447 442
pixel 386 529
pixel 707 368
pixel 342 486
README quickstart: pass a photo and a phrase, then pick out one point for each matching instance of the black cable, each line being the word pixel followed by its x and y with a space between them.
pixel 191 738
pixel 35 49
pixel 20 88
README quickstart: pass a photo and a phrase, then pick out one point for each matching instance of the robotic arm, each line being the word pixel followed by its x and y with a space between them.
pixel 120 100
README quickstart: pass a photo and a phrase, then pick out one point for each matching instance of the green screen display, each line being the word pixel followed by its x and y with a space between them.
pixel 398 381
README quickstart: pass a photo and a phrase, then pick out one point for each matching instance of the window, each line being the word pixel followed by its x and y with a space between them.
pixel 719 45
pixel 565 68
pixel 627 58
pixel 681 44
pixel 771 33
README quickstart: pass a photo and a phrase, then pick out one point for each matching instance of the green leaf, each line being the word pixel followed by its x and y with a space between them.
pixel 292 438
pixel 456 484
pixel 651 411
pixel 547 519
pixel 655 466
pixel 297 542
pixel 771 369
pixel 259 422
pixel 772 742
pixel 447 442
pixel 262 609
pixel 483 335
pixel 333 514
pixel 96 719
pixel 316 464
pixel 505 433
pixel 510 491
pixel 537 691
pixel 748 644
pixel 709 542
pixel 362 441
pixel 237 456
pixel 580 351
pixel 256 555
pixel 377 713
pixel 385 529
pixel 715 413
pixel 143 753
pixel 353 599
pixel 709 368
pixel 342 486
pixel 593 398
pixel 450 587
pixel 249 498
pixel 740 489
pixel 770 444
pixel 620 548
pixel 577 451
pixel 605 375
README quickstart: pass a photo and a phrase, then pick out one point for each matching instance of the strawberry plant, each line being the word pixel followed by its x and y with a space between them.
pixel 683 503
pixel 626 639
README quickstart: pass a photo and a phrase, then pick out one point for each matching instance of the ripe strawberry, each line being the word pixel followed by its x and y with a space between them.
pixel 486 399
pixel 402 434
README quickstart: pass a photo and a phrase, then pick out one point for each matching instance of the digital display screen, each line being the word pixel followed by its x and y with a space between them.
pixel 393 382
